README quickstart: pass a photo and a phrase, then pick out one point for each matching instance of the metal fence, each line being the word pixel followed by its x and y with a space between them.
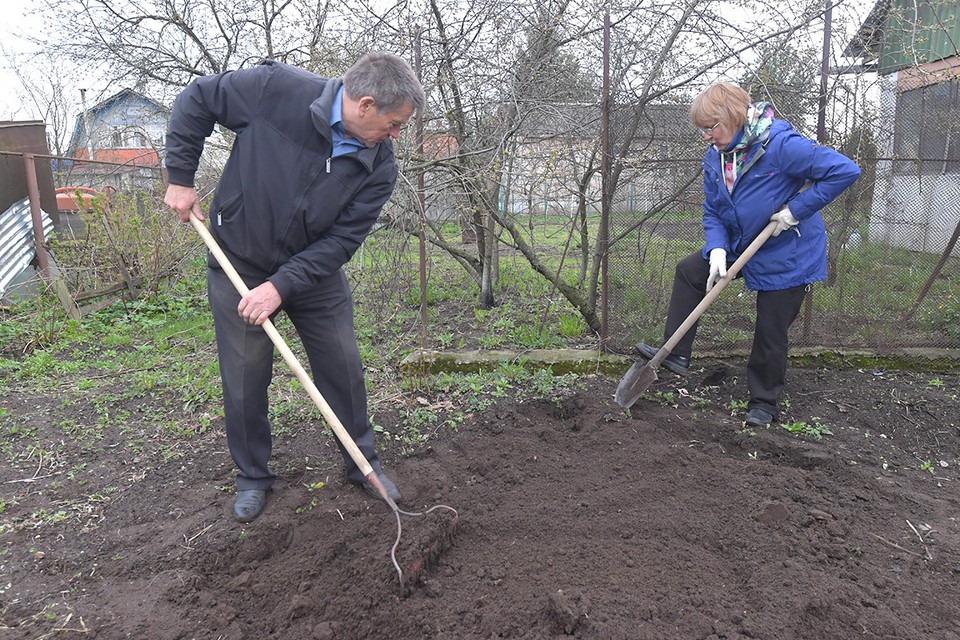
pixel 893 266
pixel 893 258
pixel 17 242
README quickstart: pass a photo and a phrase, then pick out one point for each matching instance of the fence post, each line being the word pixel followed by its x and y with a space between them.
pixel 43 259
pixel 33 190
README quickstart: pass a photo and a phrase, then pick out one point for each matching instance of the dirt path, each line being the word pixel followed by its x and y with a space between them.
pixel 577 521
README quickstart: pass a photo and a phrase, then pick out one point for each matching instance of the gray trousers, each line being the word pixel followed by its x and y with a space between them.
pixel 324 321
pixel 776 311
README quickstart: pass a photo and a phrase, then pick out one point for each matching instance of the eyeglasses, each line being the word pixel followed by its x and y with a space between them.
pixel 708 131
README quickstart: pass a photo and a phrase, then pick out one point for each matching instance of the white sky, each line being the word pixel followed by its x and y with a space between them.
pixel 13 25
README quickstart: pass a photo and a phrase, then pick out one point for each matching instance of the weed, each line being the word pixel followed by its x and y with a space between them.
pixel 814 429
pixel 18 431
pixel 737 406
pixel 42 517
pixel 313 503
pixel 947 317
pixel 698 402
pixel 936 383
pixel 572 326
pixel 168 453
pixel 666 398
pixel 927 465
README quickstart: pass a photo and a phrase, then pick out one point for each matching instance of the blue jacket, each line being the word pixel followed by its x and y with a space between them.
pixel 284 210
pixel 771 175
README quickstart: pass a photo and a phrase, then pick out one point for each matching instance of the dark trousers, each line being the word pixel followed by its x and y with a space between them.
pixel 324 321
pixel 776 311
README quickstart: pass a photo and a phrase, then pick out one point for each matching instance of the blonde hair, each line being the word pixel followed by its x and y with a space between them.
pixel 723 102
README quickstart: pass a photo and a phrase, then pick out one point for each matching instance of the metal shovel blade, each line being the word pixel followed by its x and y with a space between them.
pixel 640 376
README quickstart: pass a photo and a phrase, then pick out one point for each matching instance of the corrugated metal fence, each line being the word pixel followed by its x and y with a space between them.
pixel 17 243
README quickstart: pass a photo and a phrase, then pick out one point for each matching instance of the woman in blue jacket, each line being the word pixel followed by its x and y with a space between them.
pixel 754 172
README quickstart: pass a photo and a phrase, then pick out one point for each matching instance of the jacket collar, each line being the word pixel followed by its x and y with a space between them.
pixel 320 110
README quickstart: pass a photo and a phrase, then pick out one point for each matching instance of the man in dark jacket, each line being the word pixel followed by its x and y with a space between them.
pixel 310 168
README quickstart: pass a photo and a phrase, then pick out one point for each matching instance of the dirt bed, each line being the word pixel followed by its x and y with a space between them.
pixel 576 520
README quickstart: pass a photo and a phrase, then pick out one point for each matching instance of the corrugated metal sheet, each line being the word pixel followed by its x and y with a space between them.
pixel 917 33
pixel 17 246
pixel 17 138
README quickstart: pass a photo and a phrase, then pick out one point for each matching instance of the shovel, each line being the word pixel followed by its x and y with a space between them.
pixel 640 376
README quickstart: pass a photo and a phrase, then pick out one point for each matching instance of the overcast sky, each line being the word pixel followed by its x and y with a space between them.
pixel 13 25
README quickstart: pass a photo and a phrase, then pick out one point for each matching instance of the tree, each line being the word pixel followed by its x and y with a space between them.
pixel 163 44
pixel 787 76
pixel 43 94
pixel 515 86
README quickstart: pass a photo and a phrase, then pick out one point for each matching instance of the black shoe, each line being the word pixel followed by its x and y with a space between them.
pixel 678 364
pixel 757 417
pixel 249 504
pixel 387 484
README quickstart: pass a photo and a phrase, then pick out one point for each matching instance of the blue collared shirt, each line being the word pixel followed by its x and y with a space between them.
pixel 341 143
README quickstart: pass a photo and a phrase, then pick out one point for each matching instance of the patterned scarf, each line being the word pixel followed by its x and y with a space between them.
pixel 756 129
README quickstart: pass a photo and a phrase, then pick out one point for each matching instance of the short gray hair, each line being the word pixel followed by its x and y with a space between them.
pixel 386 78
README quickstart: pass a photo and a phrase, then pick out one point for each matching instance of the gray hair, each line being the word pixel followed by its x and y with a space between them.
pixel 386 78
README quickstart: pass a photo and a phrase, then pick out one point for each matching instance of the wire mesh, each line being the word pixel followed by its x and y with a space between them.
pixel 891 283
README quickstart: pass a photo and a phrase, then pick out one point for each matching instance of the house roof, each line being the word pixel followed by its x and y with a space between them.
pixel 898 34
pixel 866 42
pixel 93 113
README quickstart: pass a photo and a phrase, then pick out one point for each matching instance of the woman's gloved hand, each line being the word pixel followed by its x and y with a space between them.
pixel 718 266
pixel 784 220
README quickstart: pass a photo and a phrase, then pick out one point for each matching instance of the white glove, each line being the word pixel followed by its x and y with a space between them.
pixel 718 266
pixel 784 220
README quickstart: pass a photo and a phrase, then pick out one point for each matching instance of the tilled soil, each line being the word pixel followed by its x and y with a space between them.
pixel 575 520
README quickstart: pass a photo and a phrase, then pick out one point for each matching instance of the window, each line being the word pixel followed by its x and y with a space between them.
pixel 927 130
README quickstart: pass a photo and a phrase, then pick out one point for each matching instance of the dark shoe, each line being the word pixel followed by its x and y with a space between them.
pixel 678 364
pixel 249 504
pixel 757 417
pixel 387 484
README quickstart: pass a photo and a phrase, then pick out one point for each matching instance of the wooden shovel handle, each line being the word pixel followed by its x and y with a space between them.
pixel 708 299
pixel 291 360
pixel 732 272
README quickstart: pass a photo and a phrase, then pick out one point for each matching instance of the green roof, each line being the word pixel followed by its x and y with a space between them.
pixel 905 33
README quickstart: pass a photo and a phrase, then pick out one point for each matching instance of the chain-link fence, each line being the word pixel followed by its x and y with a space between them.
pixel 892 281
pixel 893 257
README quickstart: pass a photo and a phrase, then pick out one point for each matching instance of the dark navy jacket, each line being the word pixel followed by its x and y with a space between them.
pixel 771 175
pixel 284 210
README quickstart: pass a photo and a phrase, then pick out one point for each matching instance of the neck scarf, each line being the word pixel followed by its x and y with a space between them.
pixel 756 129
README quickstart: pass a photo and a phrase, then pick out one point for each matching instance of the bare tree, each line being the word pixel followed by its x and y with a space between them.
pixel 514 86
pixel 43 93
pixel 166 43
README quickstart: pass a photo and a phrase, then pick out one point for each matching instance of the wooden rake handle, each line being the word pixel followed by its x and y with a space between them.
pixel 294 364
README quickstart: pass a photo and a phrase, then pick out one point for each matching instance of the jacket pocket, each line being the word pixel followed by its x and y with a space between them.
pixel 230 226
pixel 777 262
pixel 230 209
